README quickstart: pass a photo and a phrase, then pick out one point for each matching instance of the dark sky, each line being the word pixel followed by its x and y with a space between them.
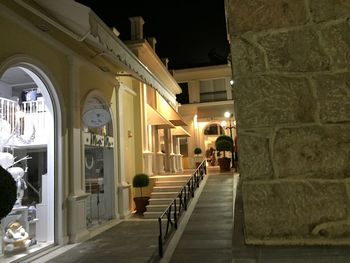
pixel 190 33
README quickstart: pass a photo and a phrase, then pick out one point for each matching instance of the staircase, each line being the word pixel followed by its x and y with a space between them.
pixel 164 191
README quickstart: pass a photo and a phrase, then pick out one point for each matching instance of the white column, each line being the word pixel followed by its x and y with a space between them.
pixel 179 166
pixel 147 153
pixel 172 155
pixel 167 150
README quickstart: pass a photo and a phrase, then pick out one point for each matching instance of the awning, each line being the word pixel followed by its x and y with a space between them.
pixel 180 132
pixel 169 113
pixel 154 118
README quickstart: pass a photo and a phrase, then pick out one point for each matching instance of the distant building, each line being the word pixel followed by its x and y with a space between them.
pixel 206 96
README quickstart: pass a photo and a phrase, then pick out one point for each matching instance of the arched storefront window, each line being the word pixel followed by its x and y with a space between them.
pixel 213 129
pixel 99 160
pixel 27 151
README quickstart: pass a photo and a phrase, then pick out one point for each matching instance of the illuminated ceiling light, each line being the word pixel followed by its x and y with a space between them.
pixel 227 114
pixel 223 124
pixel 232 82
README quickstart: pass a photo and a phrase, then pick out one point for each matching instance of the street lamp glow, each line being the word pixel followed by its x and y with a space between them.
pixel 227 114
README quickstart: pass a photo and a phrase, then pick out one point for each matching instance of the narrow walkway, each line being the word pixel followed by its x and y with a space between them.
pixel 208 234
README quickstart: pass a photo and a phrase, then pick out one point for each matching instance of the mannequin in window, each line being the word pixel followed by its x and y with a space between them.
pixel 17 174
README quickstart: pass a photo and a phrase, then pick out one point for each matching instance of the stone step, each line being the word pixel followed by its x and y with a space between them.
pixel 158 189
pixel 160 201
pixel 156 208
pixel 171 182
pixel 151 215
pixel 171 195
pixel 181 177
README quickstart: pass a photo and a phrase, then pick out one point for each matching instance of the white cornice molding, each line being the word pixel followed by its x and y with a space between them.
pixel 115 47
pixel 143 44
pixel 101 35
pixel 202 73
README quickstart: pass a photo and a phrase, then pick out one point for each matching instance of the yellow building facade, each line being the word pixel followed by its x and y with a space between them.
pixel 81 114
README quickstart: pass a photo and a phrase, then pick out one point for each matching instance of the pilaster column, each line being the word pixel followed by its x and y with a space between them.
pixel 147 135
pixel 77 196
pixel 123 187
pixel 154 149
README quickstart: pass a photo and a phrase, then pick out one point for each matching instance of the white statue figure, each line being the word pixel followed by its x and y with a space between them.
pixel 17 174
pixel 15 237
pixel 6 160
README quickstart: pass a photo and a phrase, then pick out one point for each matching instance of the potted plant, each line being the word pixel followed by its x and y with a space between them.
pixel 224 143
pixel 197 151
pixel 141 180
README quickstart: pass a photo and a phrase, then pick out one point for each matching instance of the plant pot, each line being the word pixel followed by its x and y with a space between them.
pixel 141 202
pixel 225 164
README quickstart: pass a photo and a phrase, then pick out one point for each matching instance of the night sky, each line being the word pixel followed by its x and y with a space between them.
pixel 189 33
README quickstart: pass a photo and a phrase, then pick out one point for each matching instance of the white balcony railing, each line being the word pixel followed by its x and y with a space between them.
pixel 23 123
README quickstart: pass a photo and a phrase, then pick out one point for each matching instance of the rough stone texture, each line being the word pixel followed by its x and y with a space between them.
pixel 334 97
pixel 323 10
pixel 295 51
pixel 316 152
pixel 256 15
pixel 291 61
pixel 249 58
pixel 288 210
pixel 255 162
pixel 267 100
pixel 337 44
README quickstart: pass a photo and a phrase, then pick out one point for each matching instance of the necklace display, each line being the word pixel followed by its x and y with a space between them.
pixel 91 164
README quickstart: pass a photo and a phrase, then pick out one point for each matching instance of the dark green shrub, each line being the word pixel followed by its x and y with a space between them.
pixel 197 150
pixel 225 138
pixel 8 192
pixel 140 180
pixel 224 143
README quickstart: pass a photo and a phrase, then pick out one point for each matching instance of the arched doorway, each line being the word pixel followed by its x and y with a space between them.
pixel 30 122
pixel 98 160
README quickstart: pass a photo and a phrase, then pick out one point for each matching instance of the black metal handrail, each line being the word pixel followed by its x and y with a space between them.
pixel 179 204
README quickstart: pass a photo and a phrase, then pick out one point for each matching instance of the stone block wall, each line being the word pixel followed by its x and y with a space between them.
pixel 291 64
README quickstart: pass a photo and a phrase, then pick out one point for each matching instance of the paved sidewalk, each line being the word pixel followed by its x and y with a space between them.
pixel 207 233
pixel 134 240
pixel 127 242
